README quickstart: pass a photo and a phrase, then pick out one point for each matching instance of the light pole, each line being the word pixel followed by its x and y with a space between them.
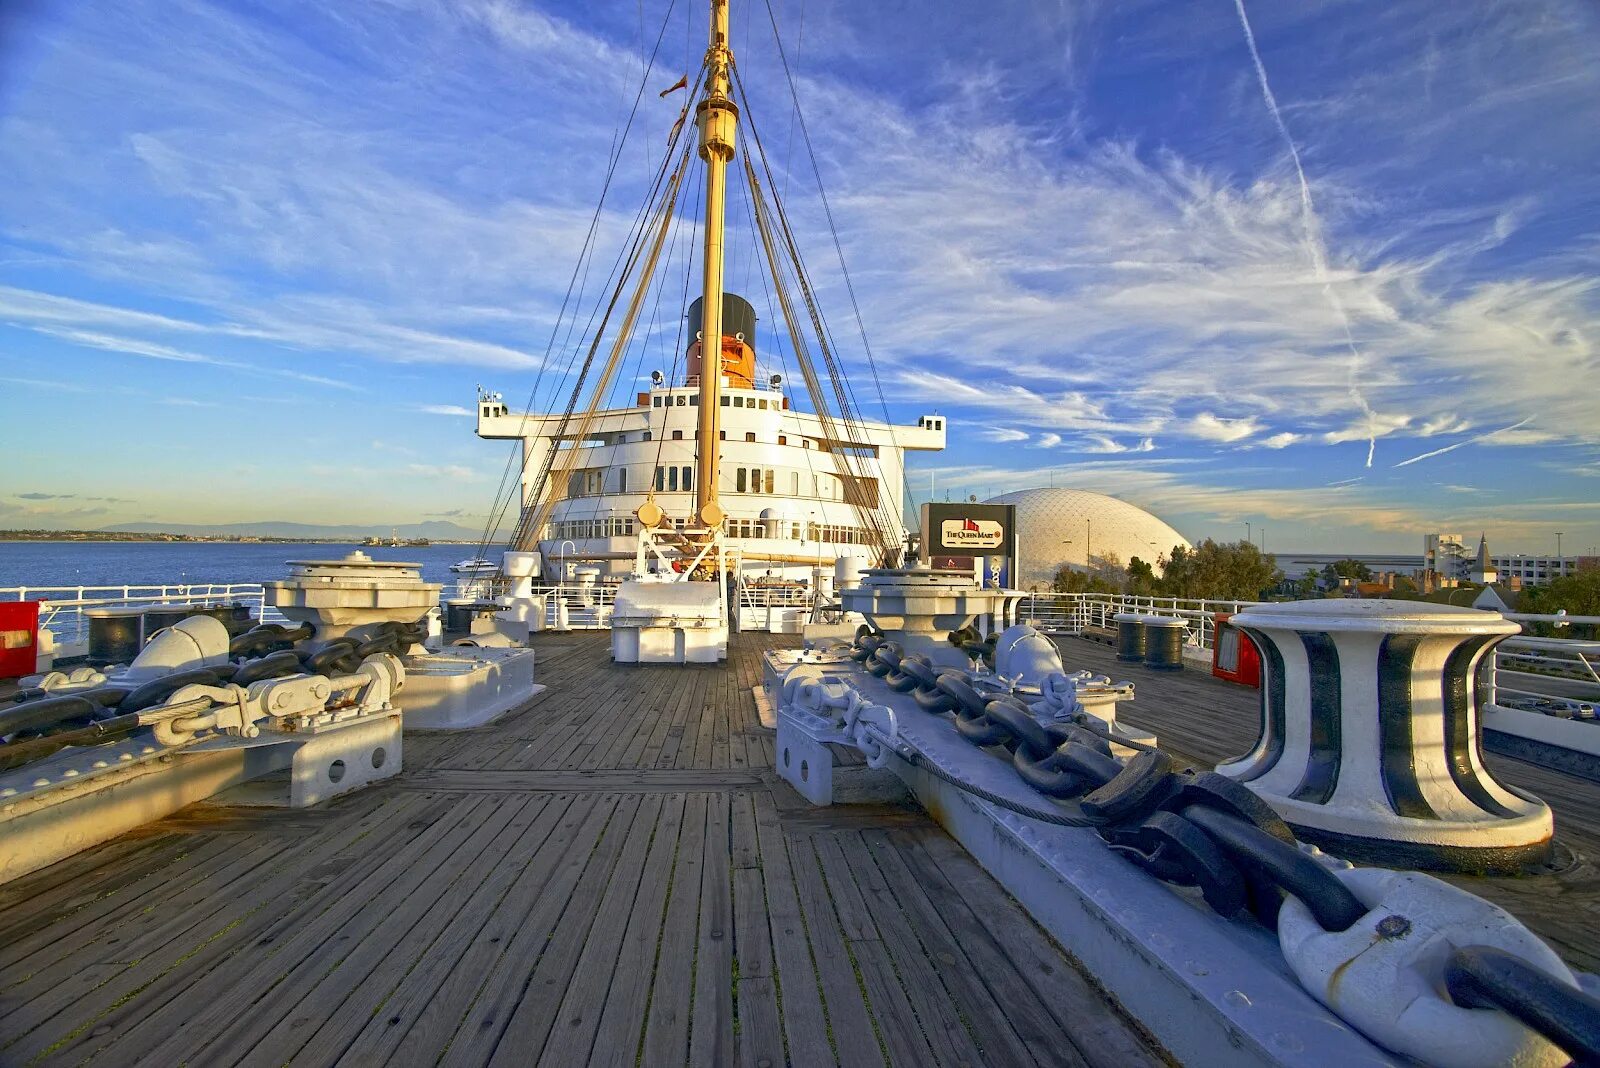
pixel 1558 547
pixel 1247 535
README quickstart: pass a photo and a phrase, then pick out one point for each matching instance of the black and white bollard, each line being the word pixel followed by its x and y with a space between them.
pixel 1370 741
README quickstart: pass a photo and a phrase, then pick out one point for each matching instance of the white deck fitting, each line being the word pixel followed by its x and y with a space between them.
pixel 338 595
pixel 1371 734
pixel 464 687
pixel 669 622
pixel 83 796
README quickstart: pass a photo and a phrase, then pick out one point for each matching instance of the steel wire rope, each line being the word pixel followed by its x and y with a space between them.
pixel 680 341
pixel 842 390
pixel 855 492
pixel 627 258
pixel 825 336
pixel 540 514
pixel 813 385
pixel 643 348
pixel 827 210
pixel 777 336
pixel 497 507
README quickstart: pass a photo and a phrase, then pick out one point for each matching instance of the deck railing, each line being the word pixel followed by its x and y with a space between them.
pixel 1075 613
pixel 63 610
pixel 1538 674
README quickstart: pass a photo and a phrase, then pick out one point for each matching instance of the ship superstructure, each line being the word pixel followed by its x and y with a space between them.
pixel 714 472
pixel 784 482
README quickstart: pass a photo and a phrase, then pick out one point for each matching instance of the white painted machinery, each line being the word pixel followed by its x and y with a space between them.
pixel 1371 740
pixel 90 755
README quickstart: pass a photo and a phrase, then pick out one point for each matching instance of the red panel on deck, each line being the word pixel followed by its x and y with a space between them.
pixel 19 638
pixel 1233 655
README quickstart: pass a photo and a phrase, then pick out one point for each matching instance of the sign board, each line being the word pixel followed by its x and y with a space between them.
pixel 969 530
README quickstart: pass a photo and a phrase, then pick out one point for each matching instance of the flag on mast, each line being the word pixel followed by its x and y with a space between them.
pixel 681 83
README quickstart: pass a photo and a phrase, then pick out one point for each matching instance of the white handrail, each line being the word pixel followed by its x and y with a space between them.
pixel 67 620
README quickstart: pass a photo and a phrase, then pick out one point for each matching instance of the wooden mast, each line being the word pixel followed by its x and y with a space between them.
pixel 718 120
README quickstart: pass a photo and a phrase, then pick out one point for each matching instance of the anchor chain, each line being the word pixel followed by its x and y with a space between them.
pixel 1496 994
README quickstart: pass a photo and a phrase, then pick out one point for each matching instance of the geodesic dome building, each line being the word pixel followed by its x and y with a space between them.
pixel 1067 526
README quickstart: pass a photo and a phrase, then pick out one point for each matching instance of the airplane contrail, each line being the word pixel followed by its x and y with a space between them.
pixel 1313 234
pixel 1467 441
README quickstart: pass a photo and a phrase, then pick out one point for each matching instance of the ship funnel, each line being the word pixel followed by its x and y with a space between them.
pixel 738 340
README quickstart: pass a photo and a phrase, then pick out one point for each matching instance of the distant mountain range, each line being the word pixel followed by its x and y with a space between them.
pixel 434 530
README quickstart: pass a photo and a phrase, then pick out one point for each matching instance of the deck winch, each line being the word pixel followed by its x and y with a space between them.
pixel 92 754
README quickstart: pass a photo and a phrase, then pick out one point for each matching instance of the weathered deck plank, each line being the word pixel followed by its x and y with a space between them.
pixel 609 875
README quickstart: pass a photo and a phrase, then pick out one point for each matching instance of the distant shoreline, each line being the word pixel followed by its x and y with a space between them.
pixel 192 539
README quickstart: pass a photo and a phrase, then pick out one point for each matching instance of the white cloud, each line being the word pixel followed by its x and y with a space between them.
pixel 1444 424
pixel 1002 434
pixel 1280 440
pixel 1100 443
pixel 453 472
pixel 1215 428
pixel 442 409
pixel 153 351
pixel 1047 441
pixel 1368 428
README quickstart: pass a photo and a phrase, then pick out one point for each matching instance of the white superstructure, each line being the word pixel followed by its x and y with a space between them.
pixel 782 482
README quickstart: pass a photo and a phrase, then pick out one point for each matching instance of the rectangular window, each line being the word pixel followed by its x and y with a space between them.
pixel 771 474
pixel 694 400
pixel 655 402
pixel 622 480
pixel 677 435
pixel 782 440
pixel 688 481
pixel 794 483
pixel 672 478
pixel 740 480
pixel 749 436
pixel 661 479
pixel 726 400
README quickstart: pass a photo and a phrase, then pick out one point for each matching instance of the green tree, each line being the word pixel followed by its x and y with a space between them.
pixel 1071 580
pixel 1577 594
pixel 1305 587
pixel 1354 570
pixel 1219 571
pixel 1141 577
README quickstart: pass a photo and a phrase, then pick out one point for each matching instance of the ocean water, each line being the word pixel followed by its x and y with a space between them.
pixel 143 563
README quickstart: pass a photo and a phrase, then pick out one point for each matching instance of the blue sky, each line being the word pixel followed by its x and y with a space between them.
pixel 254 257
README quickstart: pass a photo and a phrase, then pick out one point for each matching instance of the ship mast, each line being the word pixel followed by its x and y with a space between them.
pixel 718 119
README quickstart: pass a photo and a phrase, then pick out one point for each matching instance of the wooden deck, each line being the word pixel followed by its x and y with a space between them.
pixel 1204 720
pixel 611 876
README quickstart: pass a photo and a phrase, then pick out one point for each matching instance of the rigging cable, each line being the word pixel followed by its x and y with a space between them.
pixel 499 507
pixel 534 517
pixel 841 386
pixel 827 211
